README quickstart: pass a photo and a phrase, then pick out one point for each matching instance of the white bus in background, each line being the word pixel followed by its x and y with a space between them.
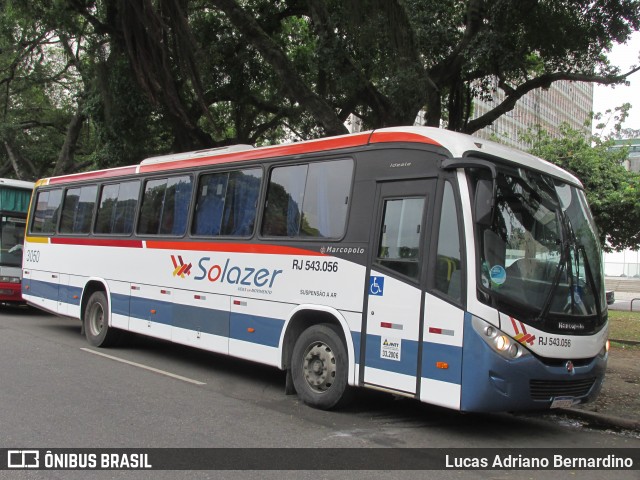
pixel 377 259
pixel 14 203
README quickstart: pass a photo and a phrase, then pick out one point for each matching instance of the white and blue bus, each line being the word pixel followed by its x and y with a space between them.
pixel 414 260
pixel 14 203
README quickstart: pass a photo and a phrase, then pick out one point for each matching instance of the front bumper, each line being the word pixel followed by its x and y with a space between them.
pixel 492 383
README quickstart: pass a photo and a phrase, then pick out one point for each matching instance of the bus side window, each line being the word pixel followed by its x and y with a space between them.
pixel 309 201
pixel 117 207
pixel 400 235
pixel 45 217
pixel 241 203
pixel 226 203
pixel 284 201
pixel 165 206
pixel 448 261
pixel 77 209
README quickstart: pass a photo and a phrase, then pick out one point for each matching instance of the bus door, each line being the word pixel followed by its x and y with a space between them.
pixel 444 312
pixel 396 284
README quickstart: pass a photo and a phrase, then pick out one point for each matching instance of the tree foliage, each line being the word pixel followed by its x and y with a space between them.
pixel 613 192
pixel 96 83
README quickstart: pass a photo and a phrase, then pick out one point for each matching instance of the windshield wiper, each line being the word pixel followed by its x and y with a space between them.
pixel 565 255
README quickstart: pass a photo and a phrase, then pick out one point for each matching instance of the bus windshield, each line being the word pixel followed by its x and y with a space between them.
pixel 11 240
pixel 539 254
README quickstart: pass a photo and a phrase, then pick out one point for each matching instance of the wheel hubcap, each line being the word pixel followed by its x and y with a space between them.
pixel 319 367
pixel 96 320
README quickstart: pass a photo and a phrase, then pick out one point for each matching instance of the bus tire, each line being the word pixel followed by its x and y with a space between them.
pixel 96 322
pixel 319 367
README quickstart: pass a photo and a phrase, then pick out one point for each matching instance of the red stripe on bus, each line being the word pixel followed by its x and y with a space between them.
pixel 231 248
pixel 385 137
pixel 77 177
pixel 98 242
pixel 311 146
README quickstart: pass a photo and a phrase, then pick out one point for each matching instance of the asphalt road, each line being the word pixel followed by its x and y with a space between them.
pixel 58 392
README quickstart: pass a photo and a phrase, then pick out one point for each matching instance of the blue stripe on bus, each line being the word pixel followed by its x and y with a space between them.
pixel 156 311
pixel 264 330
pixel 54 291
pixel 67 292
pixel 46 290
pixel 355 337
pixel 120 304
pixel 199 319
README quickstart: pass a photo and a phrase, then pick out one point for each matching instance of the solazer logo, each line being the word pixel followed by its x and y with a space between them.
pixel 180 268
pixel 225 272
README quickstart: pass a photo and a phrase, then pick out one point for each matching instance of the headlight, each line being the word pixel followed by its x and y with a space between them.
pixel 499 341
pixel 10 279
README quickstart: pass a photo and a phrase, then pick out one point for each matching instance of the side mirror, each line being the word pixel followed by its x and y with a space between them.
pixel 483 202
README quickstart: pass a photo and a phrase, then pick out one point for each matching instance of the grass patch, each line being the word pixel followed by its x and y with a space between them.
pixel 624 325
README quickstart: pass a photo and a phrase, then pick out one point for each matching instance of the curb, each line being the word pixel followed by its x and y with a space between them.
pixel 603 420
pixel 624 342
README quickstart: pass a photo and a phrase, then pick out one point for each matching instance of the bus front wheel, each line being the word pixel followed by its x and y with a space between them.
pixel 319 367
pixel 96 322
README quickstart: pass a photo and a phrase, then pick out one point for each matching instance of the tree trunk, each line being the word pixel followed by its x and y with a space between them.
pixel 18 162
pixel 65 163
pixel 291 81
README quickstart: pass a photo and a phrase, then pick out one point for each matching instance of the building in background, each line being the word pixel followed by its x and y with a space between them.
pixel 633 160
pixel 563 102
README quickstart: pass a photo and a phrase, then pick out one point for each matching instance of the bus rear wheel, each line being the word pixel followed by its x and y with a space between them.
pixel 319 367
pixel 96 322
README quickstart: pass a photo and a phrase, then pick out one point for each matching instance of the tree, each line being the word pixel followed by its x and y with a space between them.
pixel 385 60
pixel 381 60
pixel 97 83
pixel 32 115
pixel 613 192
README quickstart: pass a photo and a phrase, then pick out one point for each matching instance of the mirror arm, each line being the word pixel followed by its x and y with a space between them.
pixel 454 163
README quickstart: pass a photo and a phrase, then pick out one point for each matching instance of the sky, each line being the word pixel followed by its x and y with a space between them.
pixel 606 97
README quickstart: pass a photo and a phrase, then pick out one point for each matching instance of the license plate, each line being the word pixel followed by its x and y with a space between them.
pixel 562 402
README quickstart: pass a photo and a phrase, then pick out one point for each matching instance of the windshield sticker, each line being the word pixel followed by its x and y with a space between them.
pixel 498 275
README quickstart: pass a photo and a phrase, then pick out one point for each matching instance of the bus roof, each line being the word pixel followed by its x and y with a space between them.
pixel 461 145
pixel 9 182
pixel 458 144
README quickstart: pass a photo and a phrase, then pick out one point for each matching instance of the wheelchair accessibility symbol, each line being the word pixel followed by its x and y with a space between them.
pixel 376 286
